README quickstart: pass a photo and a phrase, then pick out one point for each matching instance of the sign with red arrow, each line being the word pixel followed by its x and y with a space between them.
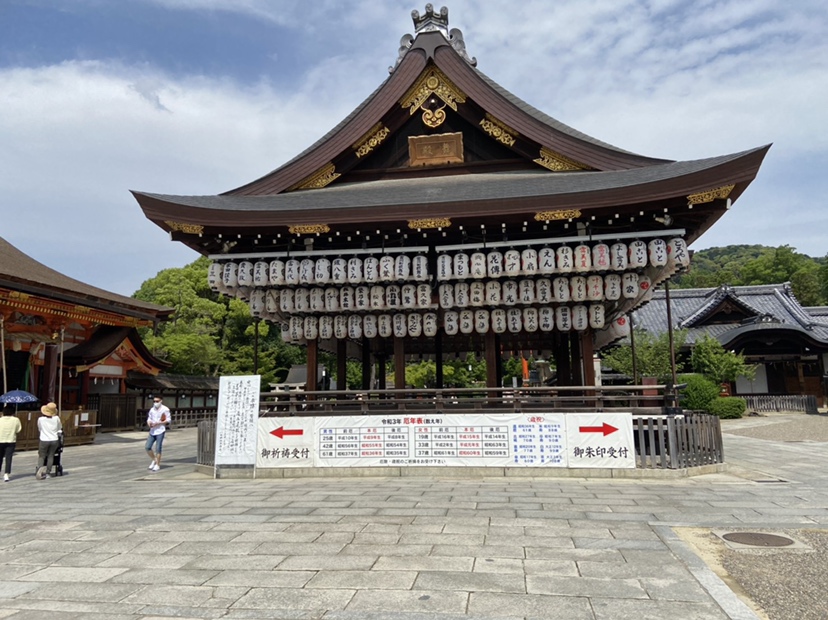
pixel 283 432
pixel 600 440
pixel 605 429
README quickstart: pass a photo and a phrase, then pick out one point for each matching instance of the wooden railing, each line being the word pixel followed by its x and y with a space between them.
pixel 183 417
pixel 78 428
pixel 780 402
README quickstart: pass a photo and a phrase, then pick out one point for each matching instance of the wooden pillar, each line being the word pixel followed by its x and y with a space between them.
pixel 341 364
pixel 587 354
pixel 563 363
pixel 381 359
pixel 366 363
pixel 438 359
pixel 576 357
pixel 312 380
pixel 492 360
pixel 399 363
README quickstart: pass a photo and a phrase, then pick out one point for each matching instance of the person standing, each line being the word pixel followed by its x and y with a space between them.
pixel 50 427
pixel 9 428
pixel 157 419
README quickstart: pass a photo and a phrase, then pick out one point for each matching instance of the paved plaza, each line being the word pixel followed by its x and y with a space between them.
pixel 111 540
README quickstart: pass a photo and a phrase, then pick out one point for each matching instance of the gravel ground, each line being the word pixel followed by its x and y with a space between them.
pixel 780 427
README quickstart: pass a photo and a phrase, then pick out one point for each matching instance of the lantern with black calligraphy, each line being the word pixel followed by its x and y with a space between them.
pixel 560 288
pixel 370 268
pixel 340 326
pixel 354 327
pixel 493 295
pixel 580 318
pixel 369 326
pixel 629 285
pixel 377 297
pixel 292 272
pixel 339 270
pixel 498 318
pixel 461 294
pixel 601 257
pixel 326 327
pixel 583 258
pixel 461 265
pixel 307 273
pixel 657 252
pixel 511 263
pixel 301 300
pixel 272 301
pixel 529 261
pixel 494 264
pixel 415 325
pixel 261 277
pixel 595 288
pixel 451 322
pixel 564 259
pixel 362 298
pixel 284 328
pixel 678 253
pixel 546 261
pixel 612 287
pixel 229 276
pixel 277 272
pixel 385 326
pixel 618 256
pixel 514 320
pixel 596 316
pixel 286 304
pixel 408 296
pixel 526 290
pixel 400 326
pixel 419 268
pixel 577 288
pixel 478 265
pixel 466 321
pixel 444 268
pixel 317 299
pixel 297 328
pixel 546 319
pixel 637 254
pixel 311 327
pixel 386 268
pixel 424 295
pixel 402 267
pixel 477 293
pixel 214 276
pixel 331 299
pixel 430 324
pixel 530 319
pixel 509 293
pixel 257 302
pixel 355 271
pixel 544 291
pixel 392 296
pixel 481 321
pixel 322 271
pixel 245 273
pixel 346 298
pixel 563 318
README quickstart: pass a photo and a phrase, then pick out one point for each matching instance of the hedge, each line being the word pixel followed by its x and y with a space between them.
pixel 728 407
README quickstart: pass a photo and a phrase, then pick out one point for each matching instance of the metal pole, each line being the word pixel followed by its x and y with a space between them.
pixel 632 349
pixel 3 351
pixel 256 346
pixel 60 372
pixel 672 347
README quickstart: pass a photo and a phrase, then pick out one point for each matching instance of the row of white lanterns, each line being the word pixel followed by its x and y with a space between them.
pixel 560 290
pixel 601 257
pixel 413 325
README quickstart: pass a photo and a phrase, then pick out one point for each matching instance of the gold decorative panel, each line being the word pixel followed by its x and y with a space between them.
pixel 556 162
pixel 190 229
pixel 498 130
pixel 429 222
pixel 326 175
pixel 432 85
pixel 710 195
pixel 371 140
pixel 557 214
pixel 444 148
pixel 309 229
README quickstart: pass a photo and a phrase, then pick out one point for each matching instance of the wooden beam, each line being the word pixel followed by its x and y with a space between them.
pixel 399 363
pixel 312 367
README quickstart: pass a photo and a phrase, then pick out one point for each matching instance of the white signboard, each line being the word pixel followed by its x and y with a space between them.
pixel 238 412
pixel 285 442
pixel 600 440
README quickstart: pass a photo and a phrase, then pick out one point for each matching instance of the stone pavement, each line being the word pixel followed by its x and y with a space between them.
pixel 111 540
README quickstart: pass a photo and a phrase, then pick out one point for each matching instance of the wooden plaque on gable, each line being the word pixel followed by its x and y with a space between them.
pixel 435 150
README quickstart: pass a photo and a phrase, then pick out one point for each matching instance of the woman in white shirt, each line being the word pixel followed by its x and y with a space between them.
pixel 50 427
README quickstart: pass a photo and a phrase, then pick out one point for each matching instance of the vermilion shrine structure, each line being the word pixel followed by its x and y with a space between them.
pixel 445 215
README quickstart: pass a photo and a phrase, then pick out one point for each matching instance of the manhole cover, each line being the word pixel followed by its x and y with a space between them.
pixel 756 539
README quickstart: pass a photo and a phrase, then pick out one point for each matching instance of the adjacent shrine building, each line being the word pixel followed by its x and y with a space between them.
pixel 445 215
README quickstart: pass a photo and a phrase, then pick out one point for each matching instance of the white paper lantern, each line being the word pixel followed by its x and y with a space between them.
pixel 346 298
pixel 355 271
pixel 340 326
pixel 461 294
pixel 307 272
pixel 493 296
pixel 618 256
pixel 385 326
pixel 286 301
pixel 301 300
pixel 369 326
pixel 546 319
pixel 461 265
pixel 529 261
pixel 478 265
pixel 392 296
pixel 317 300
pixel 386 268
pixel 595 288
pixel 637 254
pixel 261 275
pixel 580 318
pixel 419 268
pixel 377 297
pixel 370 268
pixel 583 258
pixel 444 267
pixel 560 289
pixel 424 296
pixel 629 285
pixel 322 271
pixel 362 298
pixel 563 318
pixel 446 295
pixel 678 253
pixel 229 276
pixel 311 327
pixel 297 328
pixel 402 267
pixel 355 327
pixel 466 322
pixel 257 302
pixel 509 293
pixel 339 271
pixel 481 321
pixel 400 326
pixel 526 290
pixel 546 261
pixel 430 324
pixel 451 322
pixel 415 325
pixel 612 287
pixel 243 292
pixel 284 327
pixel 277 273
pixel 494 264
pixel 272 301
pixel 564 259
pixel 245 273
pixel 514 320
pixel 326 327
pixel 596 316
pixel 511 263
pixel 577 288
pixel 214 276
pixel 292 272
pixel 657 252
pixel 544 291
pixel 408 296
pixel 331 299
pixel 621 327
pixel 530 320
pixel 601 257
pixel 645 288
pixel 477 293
pixel 498 318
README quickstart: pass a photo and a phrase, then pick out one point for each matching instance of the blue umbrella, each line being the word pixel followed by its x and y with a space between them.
pixel 18 397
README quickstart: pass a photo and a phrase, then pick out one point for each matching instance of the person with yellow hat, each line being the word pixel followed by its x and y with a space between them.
pixel 50 428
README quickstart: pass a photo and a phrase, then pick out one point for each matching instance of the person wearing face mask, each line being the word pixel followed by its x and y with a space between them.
pixel 157 419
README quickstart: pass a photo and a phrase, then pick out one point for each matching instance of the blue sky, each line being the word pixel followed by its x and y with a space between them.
pixel 98 97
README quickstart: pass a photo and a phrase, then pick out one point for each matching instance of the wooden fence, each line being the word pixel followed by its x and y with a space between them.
pixel 781 402
pixel 78 428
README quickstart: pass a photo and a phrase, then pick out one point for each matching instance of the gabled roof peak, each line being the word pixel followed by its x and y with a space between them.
pixel 433 22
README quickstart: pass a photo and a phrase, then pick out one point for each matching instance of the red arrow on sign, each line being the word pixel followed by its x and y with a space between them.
pixel 605 428
pixel 282 431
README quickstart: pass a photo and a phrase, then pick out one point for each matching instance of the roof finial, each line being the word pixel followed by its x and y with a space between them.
pixel 431 21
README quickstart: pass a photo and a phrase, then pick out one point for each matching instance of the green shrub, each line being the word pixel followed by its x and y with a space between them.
pixel 699 393
pixel 728 408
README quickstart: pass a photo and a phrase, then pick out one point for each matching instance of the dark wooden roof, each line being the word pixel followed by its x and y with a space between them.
pixel 103 342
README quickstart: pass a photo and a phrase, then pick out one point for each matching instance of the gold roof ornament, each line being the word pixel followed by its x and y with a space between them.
pixel 429 222
pixel 556 162
pixel 557 214
pixel 326 175
pixel 710 195
pixel 432 86
pixel 190 229
pixel 371 140
pixel 498 130
pixel 309 229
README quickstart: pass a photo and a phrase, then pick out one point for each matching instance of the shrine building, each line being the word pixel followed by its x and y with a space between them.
pixel 445 216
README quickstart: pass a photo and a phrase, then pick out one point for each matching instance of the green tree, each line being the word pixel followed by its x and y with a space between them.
pixel 652 355
pixel 712 360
